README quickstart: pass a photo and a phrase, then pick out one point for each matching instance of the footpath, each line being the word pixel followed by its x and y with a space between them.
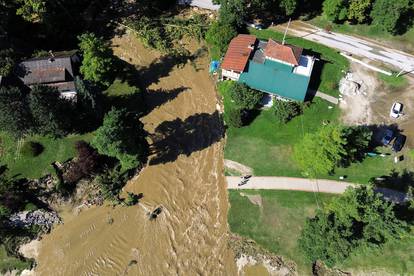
pixel 306 185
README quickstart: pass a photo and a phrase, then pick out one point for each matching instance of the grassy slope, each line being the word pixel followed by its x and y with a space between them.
pixel 278 224
pixel 403 42
pixel 327 71
pixel 9 263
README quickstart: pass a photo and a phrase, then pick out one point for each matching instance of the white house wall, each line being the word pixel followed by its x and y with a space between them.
pixel 230 74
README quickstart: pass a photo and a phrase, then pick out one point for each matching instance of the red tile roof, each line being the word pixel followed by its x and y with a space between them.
pixel 238 53
pixel 287 53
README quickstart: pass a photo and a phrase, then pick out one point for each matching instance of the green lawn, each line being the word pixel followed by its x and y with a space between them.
pixel 393 82
pixel 10 263
pixel 403 42
pixel 267 147
pixel 328 70
pixel 278 224
pixel 34 167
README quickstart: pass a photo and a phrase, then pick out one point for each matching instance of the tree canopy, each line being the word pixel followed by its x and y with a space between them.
pixel 97 58
pixel 6 62
pixel 387 14
pixel 219 36
pixel 15 116
pixel 358 218
pixel 245 97
pixel 335 10
pixel 120 137
pixel 51 114
pixel 319 153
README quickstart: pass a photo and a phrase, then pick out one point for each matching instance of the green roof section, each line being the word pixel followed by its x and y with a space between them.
pixel 275 78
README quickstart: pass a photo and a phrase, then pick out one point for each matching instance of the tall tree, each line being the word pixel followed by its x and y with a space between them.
pixel 358 218
pixel 31 10
pixel 233 13
pixel 15 116
pixel 319 153
pixel 219 36
pixel 359 10
pixel 120 137
pixel 387 14
pixel 335 10
pixel 50 112
pixel 97 58
pixel 289 6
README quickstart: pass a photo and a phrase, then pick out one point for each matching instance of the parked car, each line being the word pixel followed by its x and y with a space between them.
pixel 257 26
pixel 396 110
pixel 387 138
pixel 399 143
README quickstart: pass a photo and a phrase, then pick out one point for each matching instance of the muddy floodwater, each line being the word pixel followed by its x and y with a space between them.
pixel 184 177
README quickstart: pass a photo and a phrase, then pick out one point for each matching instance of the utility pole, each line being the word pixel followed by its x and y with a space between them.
pixel 284 35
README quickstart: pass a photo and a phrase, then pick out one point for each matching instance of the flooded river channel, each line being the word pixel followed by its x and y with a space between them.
pixel 184 177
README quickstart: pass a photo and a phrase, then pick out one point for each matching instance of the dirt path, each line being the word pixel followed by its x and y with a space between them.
pixel 185 178
pixel 233 165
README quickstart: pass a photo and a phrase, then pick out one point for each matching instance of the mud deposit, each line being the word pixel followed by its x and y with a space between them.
pixel 184 177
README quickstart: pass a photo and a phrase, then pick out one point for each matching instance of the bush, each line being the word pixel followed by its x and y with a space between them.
pixel 233 117
pixel 286 110
pixel 86 163
pixel 244 96
pixel 30 207
pixel 31 149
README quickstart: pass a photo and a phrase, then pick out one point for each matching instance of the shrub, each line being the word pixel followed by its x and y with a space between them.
pixel 286 110
pixel 31 149
pixel 233 117
pixel 244 96
pixel 131 199
pixel 30 207
pixel 86 163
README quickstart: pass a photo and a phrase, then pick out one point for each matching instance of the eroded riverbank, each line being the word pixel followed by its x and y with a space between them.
pixel 184 177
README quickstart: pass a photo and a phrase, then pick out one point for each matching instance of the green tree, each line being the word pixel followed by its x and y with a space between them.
pixel 31 10
pixel 359 218
pixel 245 97
pixel 387 14
pixel 6 62
pixel 15 116
pixel 120 137
pixel 358 139
pixel 51 113
pixel 219 36
pixel 335 10
pixel 286 110
pixel 233 13
pixel 97 58
pixel 289 6
pixel 359 10
pixel 319 153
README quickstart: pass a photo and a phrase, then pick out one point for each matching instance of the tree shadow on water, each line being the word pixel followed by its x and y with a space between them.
pixel 176 137
pixel 158 97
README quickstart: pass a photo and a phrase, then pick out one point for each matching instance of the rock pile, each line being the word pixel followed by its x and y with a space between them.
pixel 352 85
pixel 42 218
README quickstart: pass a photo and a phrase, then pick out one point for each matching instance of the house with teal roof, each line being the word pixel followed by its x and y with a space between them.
pixel 278 69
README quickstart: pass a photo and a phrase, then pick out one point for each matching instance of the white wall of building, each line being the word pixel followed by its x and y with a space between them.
pixel 230 74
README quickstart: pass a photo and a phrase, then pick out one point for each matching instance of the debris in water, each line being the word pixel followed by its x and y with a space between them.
pixel 154 214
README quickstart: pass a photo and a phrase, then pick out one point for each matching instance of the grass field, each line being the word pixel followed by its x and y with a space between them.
pixel 34 167
pixel 327 71
pixel 403 42
pixel 9 263
pixel 278 223
pixel 267 147
pixel 392 82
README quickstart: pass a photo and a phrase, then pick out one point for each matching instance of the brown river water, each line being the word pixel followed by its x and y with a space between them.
pixel 184 177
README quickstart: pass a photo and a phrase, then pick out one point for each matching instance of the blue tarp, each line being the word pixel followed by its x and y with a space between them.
pixel 214 65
